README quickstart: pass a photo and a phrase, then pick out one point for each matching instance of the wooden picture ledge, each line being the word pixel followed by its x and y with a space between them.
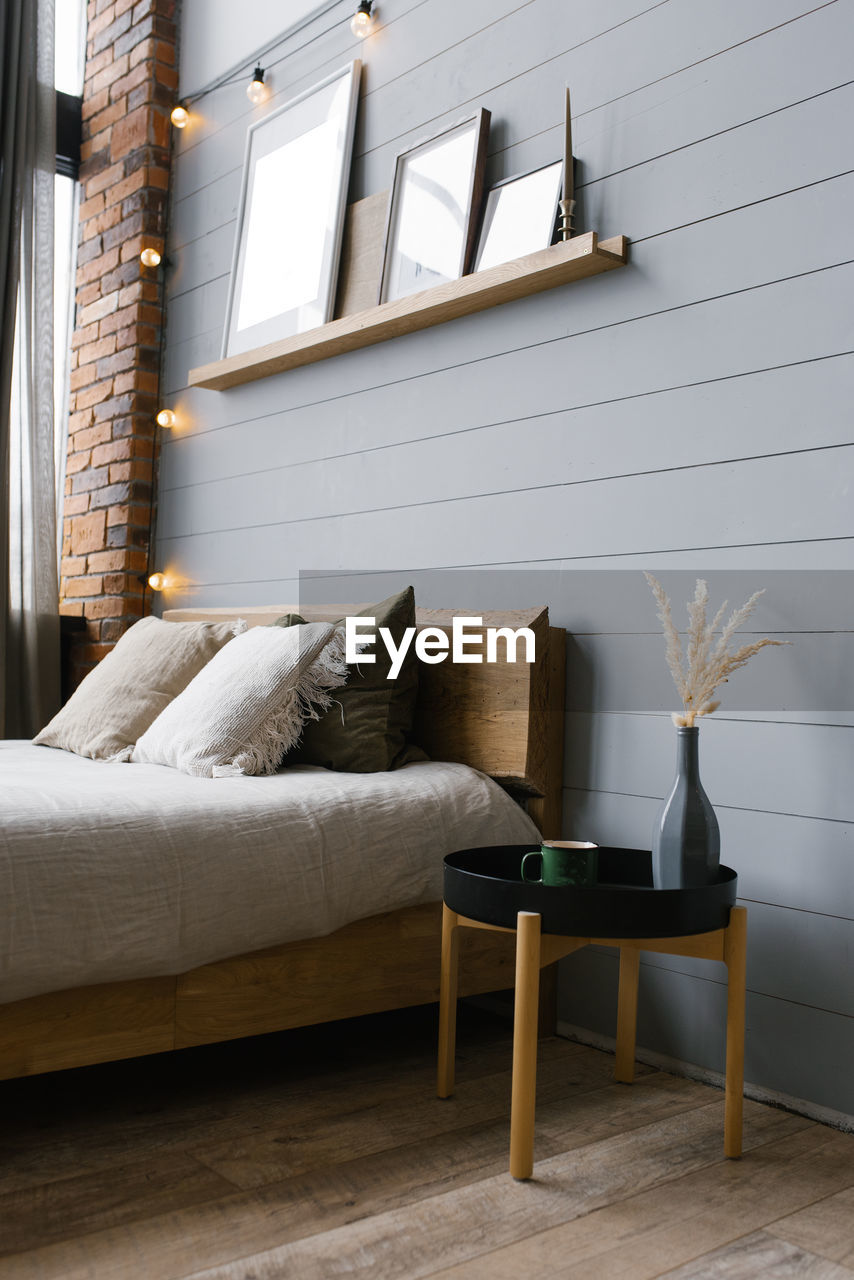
pixel 562 263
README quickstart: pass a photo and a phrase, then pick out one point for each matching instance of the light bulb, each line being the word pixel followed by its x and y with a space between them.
pixel 362 20
pixel 158 581
pixel 179 117
pixel 150 257
pixel 256 90
pixel 166 418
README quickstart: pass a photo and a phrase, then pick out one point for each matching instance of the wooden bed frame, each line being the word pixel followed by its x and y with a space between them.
pixel 503 719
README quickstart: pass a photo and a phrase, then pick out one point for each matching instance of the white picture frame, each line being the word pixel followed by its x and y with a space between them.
pixel 433 208
pixel 519 216
pixel 293 200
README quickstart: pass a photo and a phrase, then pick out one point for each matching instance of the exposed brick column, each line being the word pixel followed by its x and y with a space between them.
pixel 129 89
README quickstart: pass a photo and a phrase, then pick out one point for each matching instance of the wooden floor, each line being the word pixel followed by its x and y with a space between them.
pixel 324 1153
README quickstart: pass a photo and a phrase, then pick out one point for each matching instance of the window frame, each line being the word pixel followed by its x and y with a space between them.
pixel 69 133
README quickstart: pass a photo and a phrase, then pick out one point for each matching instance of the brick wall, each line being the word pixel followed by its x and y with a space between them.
pixel 130 85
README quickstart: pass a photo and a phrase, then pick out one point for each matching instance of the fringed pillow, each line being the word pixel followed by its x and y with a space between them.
pixel 247 707
pixel 115 704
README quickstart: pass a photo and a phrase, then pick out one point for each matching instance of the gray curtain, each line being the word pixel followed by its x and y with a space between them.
pixel 29 588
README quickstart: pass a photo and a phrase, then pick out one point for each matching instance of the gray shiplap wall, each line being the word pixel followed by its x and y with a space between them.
pixel 690 412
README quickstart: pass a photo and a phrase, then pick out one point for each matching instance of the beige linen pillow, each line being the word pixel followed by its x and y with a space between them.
pixel 248 706
pixel 115 703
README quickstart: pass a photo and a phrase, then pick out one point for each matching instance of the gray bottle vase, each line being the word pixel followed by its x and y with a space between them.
pixel 686 840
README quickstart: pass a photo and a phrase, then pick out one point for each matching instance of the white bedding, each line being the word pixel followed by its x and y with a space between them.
pixel 112 871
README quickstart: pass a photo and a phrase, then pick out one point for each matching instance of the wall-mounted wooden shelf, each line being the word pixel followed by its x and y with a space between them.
pixel 562 263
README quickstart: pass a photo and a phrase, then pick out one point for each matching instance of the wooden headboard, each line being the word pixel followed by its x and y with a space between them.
pixel 505 719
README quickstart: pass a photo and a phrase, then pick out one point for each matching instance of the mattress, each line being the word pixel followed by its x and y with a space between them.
pixel 119 871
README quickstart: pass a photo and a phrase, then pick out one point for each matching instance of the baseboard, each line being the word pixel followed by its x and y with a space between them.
pixel 801 1107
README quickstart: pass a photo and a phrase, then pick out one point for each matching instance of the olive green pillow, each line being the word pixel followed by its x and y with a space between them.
pixel 366 729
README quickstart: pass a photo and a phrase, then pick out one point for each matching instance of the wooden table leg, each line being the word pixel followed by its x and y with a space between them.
pixel 448 1002
pixel 627 1014
pixel 735 955
pixel 524 1092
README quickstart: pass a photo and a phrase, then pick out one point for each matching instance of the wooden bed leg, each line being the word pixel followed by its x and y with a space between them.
pixel 735 955
pixel 448 1002
pixel 524 1095
pixel 627 1015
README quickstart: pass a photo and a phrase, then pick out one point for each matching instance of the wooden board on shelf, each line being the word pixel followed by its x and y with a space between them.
pixel 562 263
pixel 361 255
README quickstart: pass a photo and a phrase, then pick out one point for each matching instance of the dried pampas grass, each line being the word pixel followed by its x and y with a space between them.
pixel 707 664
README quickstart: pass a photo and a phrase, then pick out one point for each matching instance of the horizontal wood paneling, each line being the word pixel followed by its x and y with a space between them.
pixel 786 149
pixel 624 753
pixel 500 528
pixel 409 37
pixel 808 677
pixel 644 126
pixel 254 583
pixel 678 363
pixel 792 955
pixel 727 83
pixel 551 47
pixel 691 412
pixel 575 445
pixel 647 49
pixel 668 272
pixel 799 962
pixel 782 859
pixel 537 381
pixel 686 1019
pixel 425 43
pixel 816 554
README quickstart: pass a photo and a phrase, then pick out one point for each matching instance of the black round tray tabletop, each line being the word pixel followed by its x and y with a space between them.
pixel 487 885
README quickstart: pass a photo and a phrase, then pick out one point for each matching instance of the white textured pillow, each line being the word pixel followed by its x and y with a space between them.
pixel 246 708
pixel 118 700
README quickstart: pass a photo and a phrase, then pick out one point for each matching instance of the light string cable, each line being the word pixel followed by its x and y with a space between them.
pixel 259 58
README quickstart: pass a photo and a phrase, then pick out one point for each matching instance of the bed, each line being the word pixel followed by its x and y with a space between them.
pixel 155 911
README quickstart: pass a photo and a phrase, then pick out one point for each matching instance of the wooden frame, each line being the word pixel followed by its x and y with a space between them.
pixel 513 721
pixel 478 122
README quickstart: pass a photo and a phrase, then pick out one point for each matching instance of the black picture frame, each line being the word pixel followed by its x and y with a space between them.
pixel 404 273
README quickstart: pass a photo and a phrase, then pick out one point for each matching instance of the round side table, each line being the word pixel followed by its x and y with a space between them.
pixel 483 889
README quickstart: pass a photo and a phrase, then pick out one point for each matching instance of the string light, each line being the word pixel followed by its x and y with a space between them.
pixel 256 90
pixel 362 20
pixel 151 257
pixel 166 418
pixel 158 582
pixel 180 115
pixel 361 24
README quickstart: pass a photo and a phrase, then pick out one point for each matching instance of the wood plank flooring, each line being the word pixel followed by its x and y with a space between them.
pixel 324 1152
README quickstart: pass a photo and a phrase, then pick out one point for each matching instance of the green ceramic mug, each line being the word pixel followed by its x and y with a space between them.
pixel 567 863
